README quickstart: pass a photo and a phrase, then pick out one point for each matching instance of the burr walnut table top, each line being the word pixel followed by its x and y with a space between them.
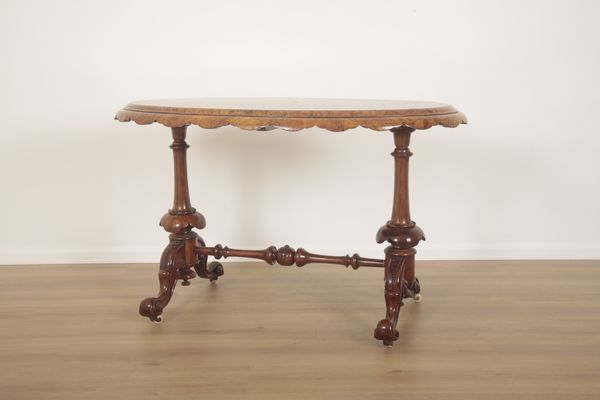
pixel 292 114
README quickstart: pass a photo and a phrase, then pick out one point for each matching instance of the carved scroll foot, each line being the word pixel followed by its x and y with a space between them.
pixel 394 292
pixel 413 290
pixel 172 267
pixel 211 271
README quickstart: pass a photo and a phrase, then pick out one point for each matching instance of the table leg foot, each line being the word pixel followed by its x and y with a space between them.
pixel 413 291
pixel 211 271
pixel 394 292
pixel 172 263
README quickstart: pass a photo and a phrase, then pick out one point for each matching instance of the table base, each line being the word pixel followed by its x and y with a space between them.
pixel 186 255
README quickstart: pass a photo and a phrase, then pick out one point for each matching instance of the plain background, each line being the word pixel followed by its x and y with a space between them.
pixel 520 181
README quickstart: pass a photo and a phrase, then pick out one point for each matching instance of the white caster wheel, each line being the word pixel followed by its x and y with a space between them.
pixel 159 320
pixel 418 297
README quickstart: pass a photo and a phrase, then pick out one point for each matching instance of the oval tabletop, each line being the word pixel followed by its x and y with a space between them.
pixel 292 114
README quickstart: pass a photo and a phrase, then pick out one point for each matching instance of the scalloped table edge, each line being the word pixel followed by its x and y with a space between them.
pixel 258 123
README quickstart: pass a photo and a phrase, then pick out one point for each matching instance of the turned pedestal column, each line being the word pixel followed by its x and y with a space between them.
pixel 403 235
pixel 179 258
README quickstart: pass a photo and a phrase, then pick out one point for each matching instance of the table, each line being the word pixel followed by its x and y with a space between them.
pixel 186 255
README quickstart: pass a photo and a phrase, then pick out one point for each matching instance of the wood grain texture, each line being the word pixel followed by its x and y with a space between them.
pixel 484 330
pixel 292 114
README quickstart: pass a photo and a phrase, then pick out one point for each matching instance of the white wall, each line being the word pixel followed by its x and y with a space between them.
pixel 520 181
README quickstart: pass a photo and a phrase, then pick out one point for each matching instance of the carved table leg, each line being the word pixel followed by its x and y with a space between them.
pixel 403 235
pixel 172 260
pixel 179 257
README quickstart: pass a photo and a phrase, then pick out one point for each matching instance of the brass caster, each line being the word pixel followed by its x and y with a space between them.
pixel 158 320
pixel 418 297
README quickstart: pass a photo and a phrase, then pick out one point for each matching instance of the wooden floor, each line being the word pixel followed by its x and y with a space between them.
pixel 484 330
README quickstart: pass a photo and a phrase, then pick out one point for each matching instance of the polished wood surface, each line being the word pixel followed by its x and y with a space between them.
pixel 186 255
pixel 287 255
pixel 403 235
pixel 292 114
pixel 178 260
pixel 484 331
